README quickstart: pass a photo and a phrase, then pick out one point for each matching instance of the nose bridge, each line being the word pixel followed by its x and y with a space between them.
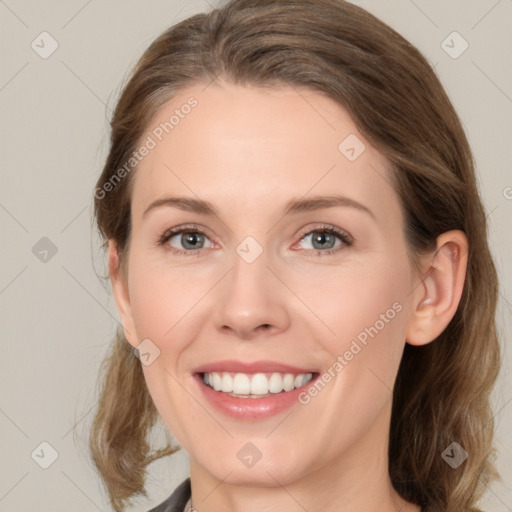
pixel 251 299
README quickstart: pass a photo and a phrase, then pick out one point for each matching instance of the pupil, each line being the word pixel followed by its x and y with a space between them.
pixel 322 238
pixel 191 240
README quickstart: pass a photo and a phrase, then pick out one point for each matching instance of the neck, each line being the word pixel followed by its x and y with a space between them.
pixel 353 481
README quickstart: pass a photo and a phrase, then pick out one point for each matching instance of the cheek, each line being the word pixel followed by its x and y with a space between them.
pixel 363 312
pixel 166 302
pixel 366 309
pixel 353 298
pixel 167 394
pixel 163 296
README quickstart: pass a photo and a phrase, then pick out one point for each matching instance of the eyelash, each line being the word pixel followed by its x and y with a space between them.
pixel 192 228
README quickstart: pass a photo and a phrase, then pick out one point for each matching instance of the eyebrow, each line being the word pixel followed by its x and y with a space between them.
pixel 190 204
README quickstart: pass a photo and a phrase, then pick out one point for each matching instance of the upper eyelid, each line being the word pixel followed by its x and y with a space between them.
pixel 326 227
pixel 343 235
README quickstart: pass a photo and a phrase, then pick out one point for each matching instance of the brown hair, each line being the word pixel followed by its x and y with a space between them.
pixel 335 48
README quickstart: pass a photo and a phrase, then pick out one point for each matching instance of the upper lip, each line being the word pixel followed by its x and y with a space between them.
pixel 230 365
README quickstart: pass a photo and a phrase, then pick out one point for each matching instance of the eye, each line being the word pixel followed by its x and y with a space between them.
pixel 185 239
pixel 190 240
pixel 326 240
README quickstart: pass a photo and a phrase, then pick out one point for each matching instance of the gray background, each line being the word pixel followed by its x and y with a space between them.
pixel 58 317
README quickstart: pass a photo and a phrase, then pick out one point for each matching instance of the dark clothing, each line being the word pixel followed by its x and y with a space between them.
pixel 177 500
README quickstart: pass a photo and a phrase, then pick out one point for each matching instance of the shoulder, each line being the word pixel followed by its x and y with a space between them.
pixel 177 500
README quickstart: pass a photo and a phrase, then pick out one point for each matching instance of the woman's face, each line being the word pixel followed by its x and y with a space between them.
pixel 287 259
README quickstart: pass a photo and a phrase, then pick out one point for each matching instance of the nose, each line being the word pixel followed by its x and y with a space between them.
pixel 251 301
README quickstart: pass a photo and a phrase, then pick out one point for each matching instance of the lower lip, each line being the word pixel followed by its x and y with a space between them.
pixel 251 408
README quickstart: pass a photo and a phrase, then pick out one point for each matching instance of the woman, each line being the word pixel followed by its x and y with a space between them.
pixel 298 254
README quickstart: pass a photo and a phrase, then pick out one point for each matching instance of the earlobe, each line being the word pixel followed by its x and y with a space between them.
pixel 436 300
pixel 120 291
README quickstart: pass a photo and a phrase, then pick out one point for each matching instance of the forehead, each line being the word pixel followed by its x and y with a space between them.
pixel 254 148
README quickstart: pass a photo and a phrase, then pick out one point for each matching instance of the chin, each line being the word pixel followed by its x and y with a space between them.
pixel 247 467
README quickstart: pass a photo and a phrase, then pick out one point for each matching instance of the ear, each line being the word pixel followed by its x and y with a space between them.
pixel 121 294
pixel 436 300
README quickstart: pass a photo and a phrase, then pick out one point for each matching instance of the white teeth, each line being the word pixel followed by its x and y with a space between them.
pixel 241 384
pixel 257 384
pixel 275 383
pixel 288 382
pixel 216 381
pixel 227 383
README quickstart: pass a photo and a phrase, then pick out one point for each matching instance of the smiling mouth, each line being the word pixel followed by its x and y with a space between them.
pixel 255 385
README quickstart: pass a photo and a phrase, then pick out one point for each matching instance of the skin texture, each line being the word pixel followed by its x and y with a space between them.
pixel 249 151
